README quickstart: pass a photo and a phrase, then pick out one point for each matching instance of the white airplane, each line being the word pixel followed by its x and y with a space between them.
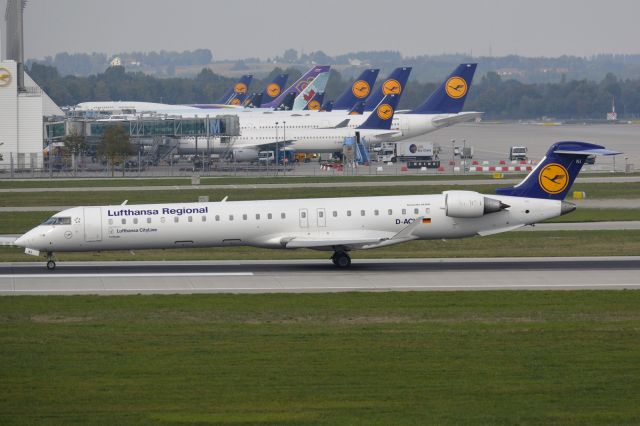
pixel 338 225
pixel 261 131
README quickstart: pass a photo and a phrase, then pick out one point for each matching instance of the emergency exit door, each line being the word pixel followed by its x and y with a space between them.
pixel 92 224
pixel 304 218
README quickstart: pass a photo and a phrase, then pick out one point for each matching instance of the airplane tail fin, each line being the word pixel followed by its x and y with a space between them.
pixel 253 101
pixel 392 85
pixel 328 106
pixel 315 104
pixel 287 102
pixel 238 93
pixel 450 96
pixel 382 116
pixel 299 85
pixel 274 89
pixel 358 91
pixel 358 108
pixel 553 176
pixel 306 95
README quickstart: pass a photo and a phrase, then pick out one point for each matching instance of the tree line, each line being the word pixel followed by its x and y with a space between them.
pixel 496 96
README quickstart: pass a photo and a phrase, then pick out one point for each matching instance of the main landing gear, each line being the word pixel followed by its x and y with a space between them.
pixel 341 259
pixel 51 261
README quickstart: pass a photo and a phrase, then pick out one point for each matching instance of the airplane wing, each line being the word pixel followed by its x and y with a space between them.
pixel 354 239
pixel 8 240
pixel 281 144
pixel 461 117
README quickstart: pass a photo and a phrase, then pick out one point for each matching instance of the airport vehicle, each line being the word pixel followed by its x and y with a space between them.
pixel 518 153
pixel 337 225
pixel 266 157
pixel 407 151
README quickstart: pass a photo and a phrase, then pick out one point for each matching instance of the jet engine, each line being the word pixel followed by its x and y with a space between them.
pixel 470 204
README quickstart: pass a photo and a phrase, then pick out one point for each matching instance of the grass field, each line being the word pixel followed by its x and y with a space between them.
pixel 510 244
pixel 524 358
pixel 593 190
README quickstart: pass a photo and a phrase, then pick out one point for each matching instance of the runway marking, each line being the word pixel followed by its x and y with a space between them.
pixel 131 275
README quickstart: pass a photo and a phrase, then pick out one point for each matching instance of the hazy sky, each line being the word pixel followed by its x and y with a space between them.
pixel 242 28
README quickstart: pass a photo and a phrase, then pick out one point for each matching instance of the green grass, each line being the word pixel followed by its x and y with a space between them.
pixel 510 244
pixel 593 190
pixel 252 180
pixel 525 358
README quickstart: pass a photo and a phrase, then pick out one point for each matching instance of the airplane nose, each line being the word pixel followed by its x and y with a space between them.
pixel 21 241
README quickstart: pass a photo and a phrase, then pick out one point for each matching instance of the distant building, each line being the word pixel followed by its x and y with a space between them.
pixel 116 62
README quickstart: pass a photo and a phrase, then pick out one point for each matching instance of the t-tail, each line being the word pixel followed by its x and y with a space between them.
pixel 392 85
pixel 299 85
pixel 237 94
pixel 450 96
pixel 553 176
pixel 382 116
pixel 358 91
pixel 274 89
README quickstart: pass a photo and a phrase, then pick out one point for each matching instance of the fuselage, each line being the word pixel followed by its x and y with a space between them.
pixel 276 223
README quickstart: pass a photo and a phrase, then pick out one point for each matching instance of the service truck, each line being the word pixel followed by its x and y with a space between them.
pixel 408 151
pixel 518 153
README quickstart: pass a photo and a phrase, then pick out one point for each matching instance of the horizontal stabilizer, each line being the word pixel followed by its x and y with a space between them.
pixel 461 117
pixel 592 151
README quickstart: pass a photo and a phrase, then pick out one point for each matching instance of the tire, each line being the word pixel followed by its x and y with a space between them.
pixel 51 265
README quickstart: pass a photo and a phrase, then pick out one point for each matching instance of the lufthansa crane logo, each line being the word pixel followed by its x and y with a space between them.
pixel 5 77
pixel 385 111
pixel 273 90
pixel 314 105
pixel 456 87
pixel 391 87
pixel 240 88
pixel 553 178
pixel 360 89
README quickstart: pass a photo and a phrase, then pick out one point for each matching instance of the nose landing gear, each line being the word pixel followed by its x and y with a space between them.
pixel 341 259
pixel 51 261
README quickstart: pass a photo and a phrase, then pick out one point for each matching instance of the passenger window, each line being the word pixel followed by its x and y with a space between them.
pixel 162 220
pixel 110 221
pixel 135 220
pixel 416 211
pixel 361 212
pixel 376 213
pixel 230 217
pixel 404 211
pixel 257 216
pixel 244 217
pixel 124 221
pixel 190 219
pixel 390 212
pixel 283 216
pixel 321 213
pixel 176 219
pixel 204 218
pixel 348 212
pixel 427 210
pixel 217 218
pixel 335 213
pixel 148 220
pixel 303 215
pixel 269 216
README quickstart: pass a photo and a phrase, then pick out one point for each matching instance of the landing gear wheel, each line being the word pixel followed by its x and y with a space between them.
pixel 341 259
pixel 51 265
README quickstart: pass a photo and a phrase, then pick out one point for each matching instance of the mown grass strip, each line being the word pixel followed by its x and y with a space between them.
pixel 593 190
pixel 361 358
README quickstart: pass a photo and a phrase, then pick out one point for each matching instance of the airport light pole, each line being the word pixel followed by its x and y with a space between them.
pixel 276 149
pixel 464 154
pixel 284 141
pixel 453 154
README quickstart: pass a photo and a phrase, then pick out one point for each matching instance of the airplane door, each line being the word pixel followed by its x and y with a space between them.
pixel 304 218
pixel 322 220
pixel 92 224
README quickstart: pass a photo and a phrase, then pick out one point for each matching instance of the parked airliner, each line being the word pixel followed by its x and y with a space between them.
pixel 337 225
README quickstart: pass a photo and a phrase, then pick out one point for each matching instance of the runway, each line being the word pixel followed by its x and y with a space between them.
pixel 307 276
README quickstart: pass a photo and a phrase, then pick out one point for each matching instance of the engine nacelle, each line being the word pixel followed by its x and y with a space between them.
pixel 245 154
pixel 470 204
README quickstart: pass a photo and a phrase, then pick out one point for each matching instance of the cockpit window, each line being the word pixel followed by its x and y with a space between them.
pixel 57 220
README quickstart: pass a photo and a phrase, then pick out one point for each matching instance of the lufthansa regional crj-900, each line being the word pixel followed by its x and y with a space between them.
pixel 337 225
